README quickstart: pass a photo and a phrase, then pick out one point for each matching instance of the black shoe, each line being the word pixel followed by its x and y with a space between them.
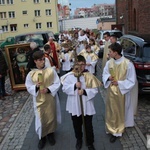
pixel 79 144
pixel 113 139
pixel 51 139
pixel 42 143
pixel 91 147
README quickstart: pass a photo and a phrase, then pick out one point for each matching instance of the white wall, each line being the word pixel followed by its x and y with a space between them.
pixel 83 23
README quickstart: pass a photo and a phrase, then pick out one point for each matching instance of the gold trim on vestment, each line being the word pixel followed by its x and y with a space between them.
pixel 91 81
pixel 93 56
pixel 115 101
pixel 45 103
pixel 69 53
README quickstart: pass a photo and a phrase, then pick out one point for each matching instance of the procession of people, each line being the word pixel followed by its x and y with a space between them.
pixel 72 63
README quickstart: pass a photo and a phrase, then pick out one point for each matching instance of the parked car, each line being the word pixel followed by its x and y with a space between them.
pixel 137 50
pixel 8 41
pixel 40 38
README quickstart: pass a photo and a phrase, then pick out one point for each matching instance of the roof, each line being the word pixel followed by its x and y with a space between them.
pixel 136 39
pixel 39 32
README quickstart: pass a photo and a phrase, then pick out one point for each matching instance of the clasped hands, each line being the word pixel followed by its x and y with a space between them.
pixel 78 86
pixel 43 90
pixel 113 81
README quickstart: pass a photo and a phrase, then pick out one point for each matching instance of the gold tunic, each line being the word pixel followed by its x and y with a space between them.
pixel 93 56
pixel 45 102
pixel 91 81
pixel 115 101
pixel 105 54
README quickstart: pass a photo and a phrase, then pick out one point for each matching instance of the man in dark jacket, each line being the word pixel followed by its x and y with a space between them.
pixel 3 73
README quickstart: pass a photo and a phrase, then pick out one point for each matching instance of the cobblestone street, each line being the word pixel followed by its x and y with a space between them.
pixel 16 117
pixel 143 115
pixel 10 108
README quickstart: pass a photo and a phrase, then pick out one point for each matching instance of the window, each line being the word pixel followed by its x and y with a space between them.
pixel 48 12
pixel 128 47
pixel 36 1
pixel 38 25
pixel 146 51
pixel 2 2
pixel 49 24
pixel 11 14
pixel 10 1
pixel 4 28
pixel 2 15
pixel 26 25
pixel 13 27
pixel 37 13
pixel 47 1
pixel 24 12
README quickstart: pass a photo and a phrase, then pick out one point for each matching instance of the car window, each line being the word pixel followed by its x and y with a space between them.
pixel 117 34
pixel 50 34
pixel 128 46
pixel 146 51
pixel 38 38
pixel 9 39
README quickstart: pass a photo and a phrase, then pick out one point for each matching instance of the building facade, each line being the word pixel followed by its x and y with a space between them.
pixel 97 10
pixel 133 16
pixel 25 16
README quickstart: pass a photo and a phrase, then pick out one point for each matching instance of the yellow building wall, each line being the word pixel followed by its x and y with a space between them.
pixel 105 25
pixel 20 19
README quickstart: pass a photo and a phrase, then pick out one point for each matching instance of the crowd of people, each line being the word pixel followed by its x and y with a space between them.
pixel 76 55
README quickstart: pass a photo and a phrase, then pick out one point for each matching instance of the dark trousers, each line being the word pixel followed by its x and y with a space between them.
pixel 77 124
pixel 2 86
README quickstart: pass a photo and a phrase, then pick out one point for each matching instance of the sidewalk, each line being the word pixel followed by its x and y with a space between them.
pixel 22 134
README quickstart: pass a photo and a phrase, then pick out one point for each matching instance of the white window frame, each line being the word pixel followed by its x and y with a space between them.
pixel 47 1
pixel 11 14
pixel 3 15
pixel 10 2
pixel 2 2
pixel 13 27
pixel 26 25
pixel 36 1
pixel 37 13
pixel 5 28
pixel 49 25
pixel 24 12
pixel 48 12
pixel 38 25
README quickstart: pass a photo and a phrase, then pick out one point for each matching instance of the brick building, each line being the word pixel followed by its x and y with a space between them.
pixel 133 16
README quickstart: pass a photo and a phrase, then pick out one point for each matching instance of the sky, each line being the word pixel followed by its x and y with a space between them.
pixel 84 3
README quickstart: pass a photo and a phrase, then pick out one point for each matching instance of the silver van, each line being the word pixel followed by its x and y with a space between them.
pixel 118 34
